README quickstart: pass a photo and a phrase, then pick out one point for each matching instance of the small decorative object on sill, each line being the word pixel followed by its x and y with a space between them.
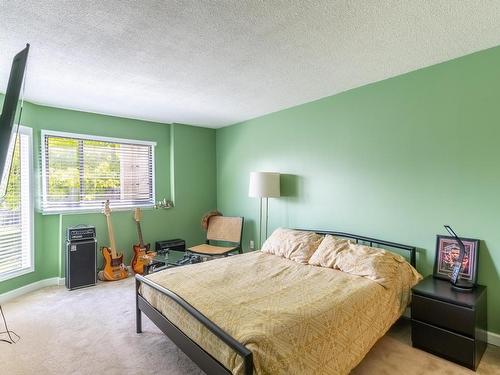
pixel 456 261
pixel 165 204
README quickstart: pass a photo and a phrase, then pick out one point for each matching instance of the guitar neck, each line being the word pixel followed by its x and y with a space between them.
pixel 139 233
pixel 111 237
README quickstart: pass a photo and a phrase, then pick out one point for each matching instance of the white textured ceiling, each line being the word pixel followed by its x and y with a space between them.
pixel 215 63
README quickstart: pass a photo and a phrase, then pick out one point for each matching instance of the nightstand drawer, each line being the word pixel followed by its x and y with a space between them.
pixel 449 345
pixel 442 314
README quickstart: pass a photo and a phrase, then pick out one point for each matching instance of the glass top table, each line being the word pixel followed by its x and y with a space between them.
pixel 170 259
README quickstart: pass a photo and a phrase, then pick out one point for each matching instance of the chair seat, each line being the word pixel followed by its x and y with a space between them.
pixel 211 249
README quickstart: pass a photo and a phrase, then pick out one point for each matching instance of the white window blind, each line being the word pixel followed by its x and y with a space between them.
pixel 80 172
pixel 16 212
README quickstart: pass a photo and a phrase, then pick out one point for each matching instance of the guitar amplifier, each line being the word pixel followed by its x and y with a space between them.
pixel 80 232
pixel 81 257
pixel 177 244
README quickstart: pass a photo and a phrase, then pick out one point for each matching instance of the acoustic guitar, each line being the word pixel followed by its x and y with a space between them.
pixel 142 255
pixel 114 269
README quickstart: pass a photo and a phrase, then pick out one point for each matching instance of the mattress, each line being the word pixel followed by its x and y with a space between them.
pixel 295 318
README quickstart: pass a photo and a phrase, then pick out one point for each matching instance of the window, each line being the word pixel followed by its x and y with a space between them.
pixel 80 172
pixel 16 212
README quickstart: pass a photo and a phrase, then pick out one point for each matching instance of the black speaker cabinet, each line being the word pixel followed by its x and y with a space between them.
pixel 81 263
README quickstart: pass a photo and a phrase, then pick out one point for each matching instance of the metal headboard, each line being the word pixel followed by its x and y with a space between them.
pixel 371 241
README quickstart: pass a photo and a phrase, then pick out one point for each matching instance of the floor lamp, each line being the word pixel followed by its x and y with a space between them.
pixel 264 185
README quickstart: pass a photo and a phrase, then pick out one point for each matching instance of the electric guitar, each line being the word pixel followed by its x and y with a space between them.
pixel 142 255
pixel 114 269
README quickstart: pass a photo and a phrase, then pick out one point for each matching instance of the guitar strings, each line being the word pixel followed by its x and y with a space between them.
pixel 7 331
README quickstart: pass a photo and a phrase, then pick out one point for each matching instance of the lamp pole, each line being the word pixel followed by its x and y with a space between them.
pixel 260 224
pixel 264 185
pixel 267 214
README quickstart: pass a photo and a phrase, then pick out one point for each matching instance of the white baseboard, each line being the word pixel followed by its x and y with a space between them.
pixel 493 338
pixel 7 296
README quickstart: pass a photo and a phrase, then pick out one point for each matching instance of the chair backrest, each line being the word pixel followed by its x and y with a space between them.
pixel 225 228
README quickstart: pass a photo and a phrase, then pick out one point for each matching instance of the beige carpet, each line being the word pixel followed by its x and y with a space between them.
pixel 92 331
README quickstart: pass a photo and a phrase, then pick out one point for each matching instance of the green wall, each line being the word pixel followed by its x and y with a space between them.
pixel 393 160
pixel 182 155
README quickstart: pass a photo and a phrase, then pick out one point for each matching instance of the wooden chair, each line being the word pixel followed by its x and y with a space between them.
pixel 225 229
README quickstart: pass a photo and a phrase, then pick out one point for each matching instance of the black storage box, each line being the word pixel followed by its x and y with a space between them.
pixel 176 244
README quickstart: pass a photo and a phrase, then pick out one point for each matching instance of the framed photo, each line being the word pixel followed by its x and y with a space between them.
pixel 448 251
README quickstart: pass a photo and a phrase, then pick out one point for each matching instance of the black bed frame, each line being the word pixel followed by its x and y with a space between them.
pixel 202 358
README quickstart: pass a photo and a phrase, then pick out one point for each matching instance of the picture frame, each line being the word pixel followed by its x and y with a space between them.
pixel 447 250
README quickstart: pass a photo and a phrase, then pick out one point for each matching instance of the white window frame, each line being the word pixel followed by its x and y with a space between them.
pixel 90 137
pixel 24 130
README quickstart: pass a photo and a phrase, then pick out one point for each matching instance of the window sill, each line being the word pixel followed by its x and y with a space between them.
pixel 76 211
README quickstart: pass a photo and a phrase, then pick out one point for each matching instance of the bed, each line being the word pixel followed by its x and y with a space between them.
pixel 263 314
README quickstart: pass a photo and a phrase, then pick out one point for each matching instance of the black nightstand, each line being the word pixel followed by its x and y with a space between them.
pixel 447 323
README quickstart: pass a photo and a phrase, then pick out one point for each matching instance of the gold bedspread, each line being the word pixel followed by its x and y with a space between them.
pixel 295 318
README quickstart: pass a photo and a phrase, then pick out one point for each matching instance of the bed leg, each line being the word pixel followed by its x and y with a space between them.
pixel 138 314
pixel 138 321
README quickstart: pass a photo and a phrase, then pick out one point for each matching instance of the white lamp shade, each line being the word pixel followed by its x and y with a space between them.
pixel 264 184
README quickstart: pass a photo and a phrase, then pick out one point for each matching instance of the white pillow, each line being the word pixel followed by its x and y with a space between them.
pixel 325 255
pixel 379 265
pixel 292 244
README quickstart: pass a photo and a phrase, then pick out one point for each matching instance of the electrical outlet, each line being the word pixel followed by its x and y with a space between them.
pixel 252 245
